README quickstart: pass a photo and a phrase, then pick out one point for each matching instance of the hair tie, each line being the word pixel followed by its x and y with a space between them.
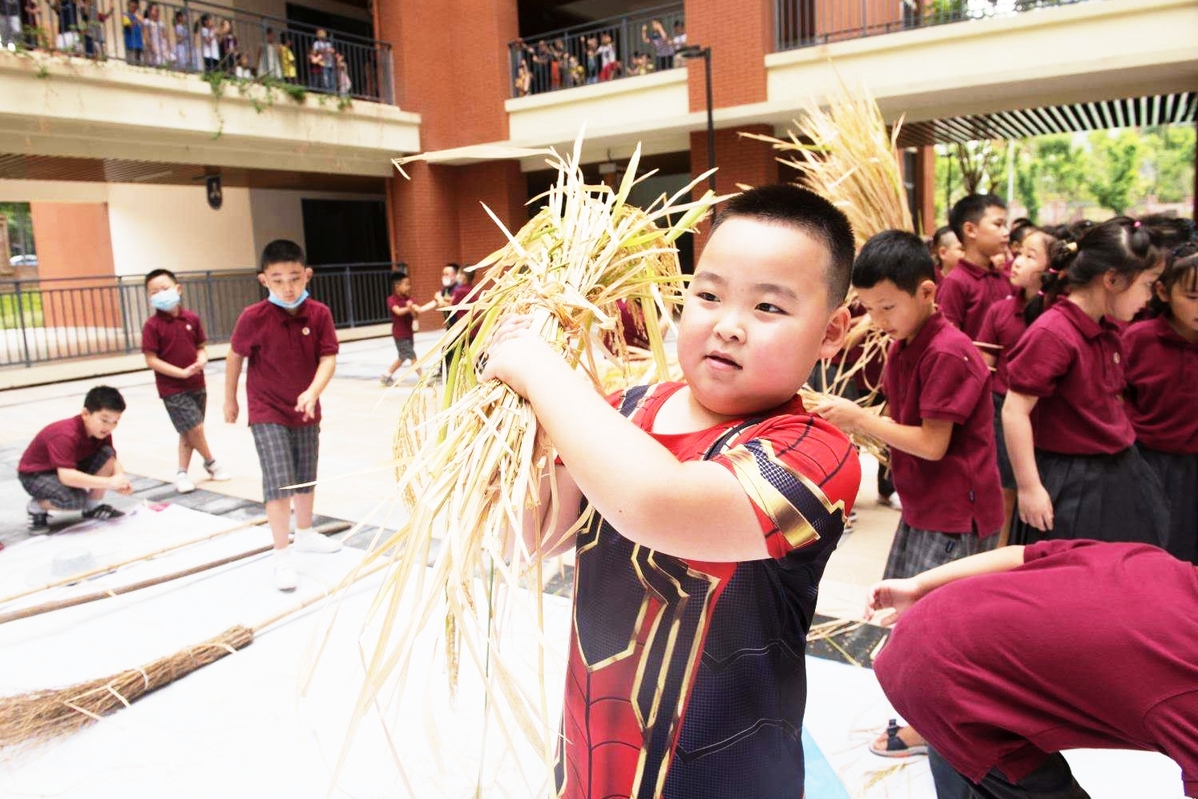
pixel 1041 293
pixel 1071 246
pixel 1136 224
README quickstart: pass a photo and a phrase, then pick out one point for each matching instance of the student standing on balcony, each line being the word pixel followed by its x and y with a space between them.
pixel 209 47
pixel 287 59
pixel 182 56
pixel 68 25
pixel 322 61
pixel 131 23
pixel 94 20
pixel 226 41
pixel 10 23
pixel 663 47
pixel 270 62
pixel 154 37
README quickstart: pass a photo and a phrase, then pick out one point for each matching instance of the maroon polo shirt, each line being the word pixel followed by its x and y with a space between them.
pixel 1074 367
pixel 939 374
pixel 176 340
pixel 1162 386
pixel 1002 326
pixel 61 445
pixel 967 292
pixel 283 351
pixel 401 326
pixel 1087 645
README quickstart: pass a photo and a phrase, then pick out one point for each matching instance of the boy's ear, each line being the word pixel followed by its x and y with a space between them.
pixel 308 273
pixel 835 332
pixel 970 230
pixel 926 290
pixel 262 280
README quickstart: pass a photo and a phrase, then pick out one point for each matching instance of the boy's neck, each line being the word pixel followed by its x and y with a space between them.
pixel 930 312
pixel 975 257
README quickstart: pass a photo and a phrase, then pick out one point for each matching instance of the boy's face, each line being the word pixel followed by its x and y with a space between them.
pixel 403 287
pixel 101 423
pixel 448 276
pixel 895 312
pixel 989 234
pixel 162 283
pixel 286 281
pixel 950 252
pixel 756 317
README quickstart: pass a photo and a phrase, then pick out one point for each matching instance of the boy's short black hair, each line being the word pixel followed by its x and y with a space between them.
pixel 897 256
pixel 161 273
pixel 104 398
pixel 971 208
pixel 785 204
pixel 398 277
pixel 281 251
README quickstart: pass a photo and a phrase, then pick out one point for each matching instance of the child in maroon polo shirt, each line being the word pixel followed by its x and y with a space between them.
pixel 1162 389
pixel 402 310
pixel 172 341
pixel 1067 430
pixel 980 223
pixel 1007 658
pixel 940 429
pixel 71 463
pixel 291 347
pixel 1002 327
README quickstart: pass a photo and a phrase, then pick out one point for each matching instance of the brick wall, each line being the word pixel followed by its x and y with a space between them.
pixel 740 161
pixel 739 34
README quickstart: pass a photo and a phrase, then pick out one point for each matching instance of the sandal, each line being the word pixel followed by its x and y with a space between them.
pixel 894 745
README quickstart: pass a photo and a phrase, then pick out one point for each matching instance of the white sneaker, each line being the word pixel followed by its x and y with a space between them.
pixel 217 472
pixel 311 541
pixel 387 380
pixel 285 577
pixel 183 484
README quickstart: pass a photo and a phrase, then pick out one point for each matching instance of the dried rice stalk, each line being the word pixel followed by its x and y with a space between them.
pixel 476 463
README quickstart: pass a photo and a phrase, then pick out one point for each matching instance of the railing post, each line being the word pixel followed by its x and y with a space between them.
pixel 210 286
pixel 120 292
pixel 21 318
pixel 349 297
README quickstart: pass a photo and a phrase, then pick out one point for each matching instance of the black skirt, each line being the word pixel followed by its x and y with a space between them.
pixel 1104 497
pixel 1179 479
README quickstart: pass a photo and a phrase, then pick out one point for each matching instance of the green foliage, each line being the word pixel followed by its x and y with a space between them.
pixel 1114 175
pixel 1169 162
pixel 1025 181
pixel 30 306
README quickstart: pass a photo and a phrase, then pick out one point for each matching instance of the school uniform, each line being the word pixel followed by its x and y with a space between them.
pixel 1002 327
pixel 283 350
pixel 64 444
pixel 1162 393
pixel 951 507
pixel 401 327
pixel 1100 486
pixel 177 339
pixel 967 291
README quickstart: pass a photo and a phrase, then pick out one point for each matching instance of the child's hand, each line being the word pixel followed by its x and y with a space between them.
pixel 306 405
pixel 1035 507
pixel 891 595
pixel 841 412
pixel 514 352
pixel 120 484
pixel 231 411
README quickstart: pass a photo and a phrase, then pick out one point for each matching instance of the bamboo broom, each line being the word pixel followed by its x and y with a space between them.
pixel 37 717
pixel 476 460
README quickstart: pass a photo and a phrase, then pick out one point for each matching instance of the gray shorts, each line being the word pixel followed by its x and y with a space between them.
pixel 914 551
pixel 186 409
pixel 288 455
pixel 46 485
pixel 405 348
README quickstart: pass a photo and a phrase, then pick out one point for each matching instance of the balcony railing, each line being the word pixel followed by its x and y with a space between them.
pixel 204 38
pixel 804 23
pixel 599 51
pixel 63 318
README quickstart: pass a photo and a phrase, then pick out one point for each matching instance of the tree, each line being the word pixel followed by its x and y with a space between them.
pixel 1168 168
pixel 1025 179
pixel 1114 176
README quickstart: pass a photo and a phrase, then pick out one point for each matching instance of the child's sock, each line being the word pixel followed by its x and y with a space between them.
pixel 92 504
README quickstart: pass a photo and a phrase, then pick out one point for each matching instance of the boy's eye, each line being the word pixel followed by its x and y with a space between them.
pixel 769 307
pixel 706 296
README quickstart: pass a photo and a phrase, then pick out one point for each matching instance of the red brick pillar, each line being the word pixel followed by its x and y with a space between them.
pixel 741 161
pixel 925 189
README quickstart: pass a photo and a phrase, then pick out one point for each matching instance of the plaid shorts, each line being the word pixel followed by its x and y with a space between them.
pixel 186 409
pixel 46 485
pixel 288 455
pixel 406 349
pixel 915 551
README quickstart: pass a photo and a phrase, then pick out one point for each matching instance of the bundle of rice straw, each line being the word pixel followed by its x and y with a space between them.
pixel 474 463
pixel 846 154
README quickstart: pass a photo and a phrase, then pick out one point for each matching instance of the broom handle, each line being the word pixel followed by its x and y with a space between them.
pixel 113 567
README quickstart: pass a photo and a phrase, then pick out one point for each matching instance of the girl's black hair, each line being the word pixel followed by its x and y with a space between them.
pixel 1121 245
pixel 1181 268
pixel 1020 229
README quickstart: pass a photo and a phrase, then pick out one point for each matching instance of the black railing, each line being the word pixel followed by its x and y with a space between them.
pixel 804 23
pixel 201 37
pixel 62 318
pixel 607 49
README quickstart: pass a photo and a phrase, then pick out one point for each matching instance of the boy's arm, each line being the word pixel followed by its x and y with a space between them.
pixel 168 369
pixel 74 478
pixel 306 403
pixel 428 306
pixel 929 440
pixel 898 595
pixel 201 357
pixel 1035 506
pixel 401 310
pixel 233 362
pixel 690 509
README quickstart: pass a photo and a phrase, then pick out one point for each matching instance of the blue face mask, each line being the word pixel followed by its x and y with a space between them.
pixel 290 306
pixel 165 300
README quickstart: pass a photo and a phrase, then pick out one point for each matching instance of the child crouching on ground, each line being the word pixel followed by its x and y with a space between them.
pixel 716 510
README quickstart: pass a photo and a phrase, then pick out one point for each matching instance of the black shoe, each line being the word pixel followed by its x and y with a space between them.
pixel 103 512
pixel 39 521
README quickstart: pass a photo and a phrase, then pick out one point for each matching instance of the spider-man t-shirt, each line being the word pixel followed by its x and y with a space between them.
pixel 686 679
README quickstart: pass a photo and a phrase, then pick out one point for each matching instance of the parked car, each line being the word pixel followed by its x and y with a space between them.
pixel 23 260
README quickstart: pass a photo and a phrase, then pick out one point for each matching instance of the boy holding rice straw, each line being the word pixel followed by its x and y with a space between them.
pixel 715 512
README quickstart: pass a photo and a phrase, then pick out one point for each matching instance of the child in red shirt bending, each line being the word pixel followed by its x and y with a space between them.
pixel 980 224
pixel 716 510
pixel 172 341
pixel 403 309
pixel 1162 394
pixel 1067 430
pixel 1007 658
pixel 291 347
pixel 71 463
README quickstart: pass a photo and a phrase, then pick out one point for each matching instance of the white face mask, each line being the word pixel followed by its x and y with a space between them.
pixel 165 300
pixel 446 281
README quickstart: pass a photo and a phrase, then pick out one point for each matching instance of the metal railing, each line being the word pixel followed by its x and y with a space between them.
pixel 200 37
pixel 805 23
pixel 63 318
pixel 604 50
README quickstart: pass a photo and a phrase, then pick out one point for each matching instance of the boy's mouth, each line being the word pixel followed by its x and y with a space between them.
pixel 723 358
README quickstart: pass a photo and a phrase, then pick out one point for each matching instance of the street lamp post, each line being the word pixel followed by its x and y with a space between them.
pixel 690 51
